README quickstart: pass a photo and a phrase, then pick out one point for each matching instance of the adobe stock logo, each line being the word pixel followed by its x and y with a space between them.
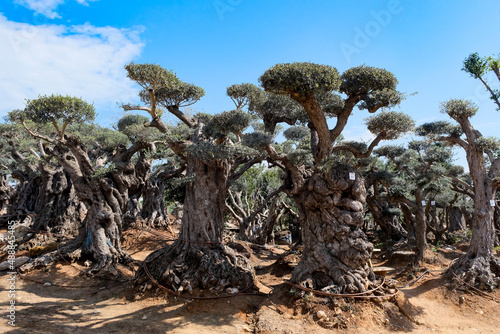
pixel 372 29
pixel 223 6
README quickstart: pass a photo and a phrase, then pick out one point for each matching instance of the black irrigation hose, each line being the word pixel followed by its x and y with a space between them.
pixel 414 281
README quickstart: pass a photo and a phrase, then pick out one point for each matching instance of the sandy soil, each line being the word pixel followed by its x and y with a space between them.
pixel 75 303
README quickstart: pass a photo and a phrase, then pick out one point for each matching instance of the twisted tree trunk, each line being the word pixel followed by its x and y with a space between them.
pixel 6 192
pixel 57 209
pixel 336 250
pixel 479 266
pixel 456 220
pixel 106 197
pixel 25 196
pixel 153 210
pixel 383 218
pixel 198 259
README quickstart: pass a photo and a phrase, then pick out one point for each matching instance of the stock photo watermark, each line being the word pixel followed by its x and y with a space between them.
pixel 364 36
pixel 11 278
pixel 223 6
pixel 28 32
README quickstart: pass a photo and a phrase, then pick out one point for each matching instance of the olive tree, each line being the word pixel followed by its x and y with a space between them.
pixel 478 68
pixel 43 189
pixel 211 157
pixel 99 162
pixel 478 266
pixel 329 195
pixel 417 177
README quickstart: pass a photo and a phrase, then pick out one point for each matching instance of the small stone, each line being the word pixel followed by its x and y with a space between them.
pixel 19 261
pixel 47 284
pixel 149 286
pixel 144 317
pixel 232 290
pixel 321 314
pixel 461 300
pixel 479 311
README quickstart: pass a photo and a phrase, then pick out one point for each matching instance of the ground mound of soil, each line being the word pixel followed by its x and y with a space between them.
pixel 63 299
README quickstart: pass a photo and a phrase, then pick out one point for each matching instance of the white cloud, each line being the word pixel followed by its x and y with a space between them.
pixel 84 61
pixel 47 7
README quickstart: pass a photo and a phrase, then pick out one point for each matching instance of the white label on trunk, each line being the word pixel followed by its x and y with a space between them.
pixel 492 202
pixel 423 202
pixel 352 176
pixel 433 202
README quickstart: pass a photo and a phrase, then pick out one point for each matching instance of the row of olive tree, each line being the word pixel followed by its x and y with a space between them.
pixel 208 153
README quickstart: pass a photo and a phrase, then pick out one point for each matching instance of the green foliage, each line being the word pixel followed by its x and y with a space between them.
pixel 297 133
pixel 301 157
pixel 456 170
pixel 269 107
pixel 392 124
pixel 257 140
pixel 488 144
pixel 439 128
pixel 457 108
pixel 181 95
pixel 134 127
pixel 203 117
pixel 242 93
pixel 58 108
pixel 92 134
pixel 131 120
pixel 365 79
pixel 300 80
pixel 220 125
pixel 212 152
pixel 385 97
pixel 180 132
pixel 475 65
pixel 258 179
pixel 390 151
pixel 360 146
pixel 151 76
pixel 332 104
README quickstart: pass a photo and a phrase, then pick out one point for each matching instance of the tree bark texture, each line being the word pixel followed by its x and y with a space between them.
pixel 153 212
pixel 336 250
pixel 456 220
pixel 6 192
pixel 198 259
pixel 387 221
pixel 479 266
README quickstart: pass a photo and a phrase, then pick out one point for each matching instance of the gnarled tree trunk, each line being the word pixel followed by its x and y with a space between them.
pixel 6 192
pixel 198 259
pixel 336 250
pixel 383 218
pixel 153 211
pixel 456 220
pixel 57 209
pixel 479 266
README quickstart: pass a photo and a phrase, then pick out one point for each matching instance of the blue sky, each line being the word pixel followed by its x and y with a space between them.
pixel 79 47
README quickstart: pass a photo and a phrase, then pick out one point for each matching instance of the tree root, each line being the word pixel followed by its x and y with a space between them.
pixel 103 265
pixel 186 267
pixel 480 272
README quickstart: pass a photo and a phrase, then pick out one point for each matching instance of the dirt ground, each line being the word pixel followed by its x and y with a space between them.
pixel 76 303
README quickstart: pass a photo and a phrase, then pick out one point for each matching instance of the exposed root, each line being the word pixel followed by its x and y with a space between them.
pixel 103 265
pixel 480 272
pixel 185 267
